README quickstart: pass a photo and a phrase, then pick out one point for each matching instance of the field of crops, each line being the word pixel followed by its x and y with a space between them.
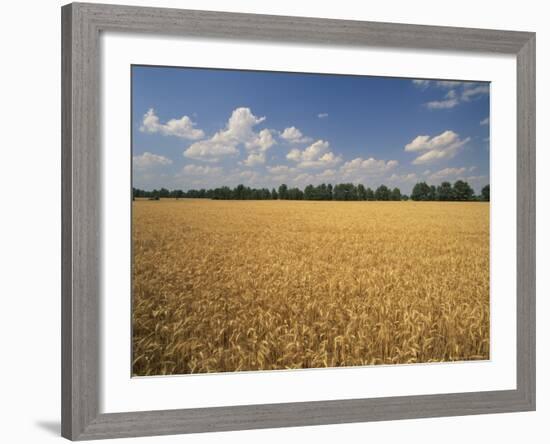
pixel 260 285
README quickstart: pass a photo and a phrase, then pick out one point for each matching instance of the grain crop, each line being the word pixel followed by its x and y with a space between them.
pixel 224 286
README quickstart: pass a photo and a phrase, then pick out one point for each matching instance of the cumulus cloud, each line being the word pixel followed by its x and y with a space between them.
pixel 294 135
pixel 458 92
pixel 322 115
pixel 421 83
pixel 403 179
pixel 211 150
pixel 279 169
pixel 327 174
pixel 443 146
pixel 183 127
pixel 438 83
pixel 238 130
pixel 370 165
pixel 295 176
pixel 201 170
pixel 148 160
pixel 462 173
pixel 262 141
pixel 471 91
pixel 448 83
pixel 316 155
pixel 476 181
pixel 447 173
pixel 246 177
pixel 258 147
pixel 450 101
pixel 254 159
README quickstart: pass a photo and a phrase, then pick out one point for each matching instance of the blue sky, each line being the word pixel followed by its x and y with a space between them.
pixel 203 128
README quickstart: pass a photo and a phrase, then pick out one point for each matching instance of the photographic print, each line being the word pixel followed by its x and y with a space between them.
pixel 285 221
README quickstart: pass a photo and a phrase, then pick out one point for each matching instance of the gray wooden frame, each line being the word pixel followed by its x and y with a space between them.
pixel 81 26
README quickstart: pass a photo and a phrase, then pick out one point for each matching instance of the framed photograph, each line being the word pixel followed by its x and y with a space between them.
pixel 282 221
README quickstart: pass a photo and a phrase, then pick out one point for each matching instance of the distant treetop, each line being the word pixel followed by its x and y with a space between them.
pixel 461 191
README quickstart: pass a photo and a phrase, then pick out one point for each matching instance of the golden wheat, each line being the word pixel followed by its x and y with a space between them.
pixel 260 285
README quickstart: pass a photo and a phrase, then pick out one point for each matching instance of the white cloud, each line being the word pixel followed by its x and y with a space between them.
pixel 358 167
pixel 284 174
pixel 458 173
pixel 448 83
pixel 246 177
pixel 458 93
pixel 281 173
pixel 450 101
pixel 403 179
pixel 182 127
pixel 438 83
pixel 367 171
pixel 239 125
pixel 294 154
pixel 209 176
pixel 303 179
pixel 247 174
pixel 315 150
pixel 322 115
pixel 262 141
pixel 148 160
pixel 443 146
pixel 447 173
pixel 471 91
pixel 421 83
pixel 327 174
pixel 484 121
pixel 238 130
pixel 326 160
pixel 254 159
pixel 294 135
pixel 280 169
pixel 477 181
pixel 211 150
pixel 316 155
pixel 291 133
pixel 201 170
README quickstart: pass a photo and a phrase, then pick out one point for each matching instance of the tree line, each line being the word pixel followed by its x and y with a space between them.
pixel 459 191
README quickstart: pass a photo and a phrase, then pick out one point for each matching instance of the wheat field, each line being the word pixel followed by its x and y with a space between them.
pixel 224 286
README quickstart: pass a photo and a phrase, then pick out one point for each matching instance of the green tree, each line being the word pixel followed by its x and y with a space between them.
pixel 462 191
pixel 395 194
pixel 283 191
pixel 274 194
pixel 486 193
pixel 369 194
pixel 382 193
pixel 321 192
pixel 295 194
pixel 361 192
pixel 309 192
pixel 344 191
pixel 445 192
pixel 421 191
